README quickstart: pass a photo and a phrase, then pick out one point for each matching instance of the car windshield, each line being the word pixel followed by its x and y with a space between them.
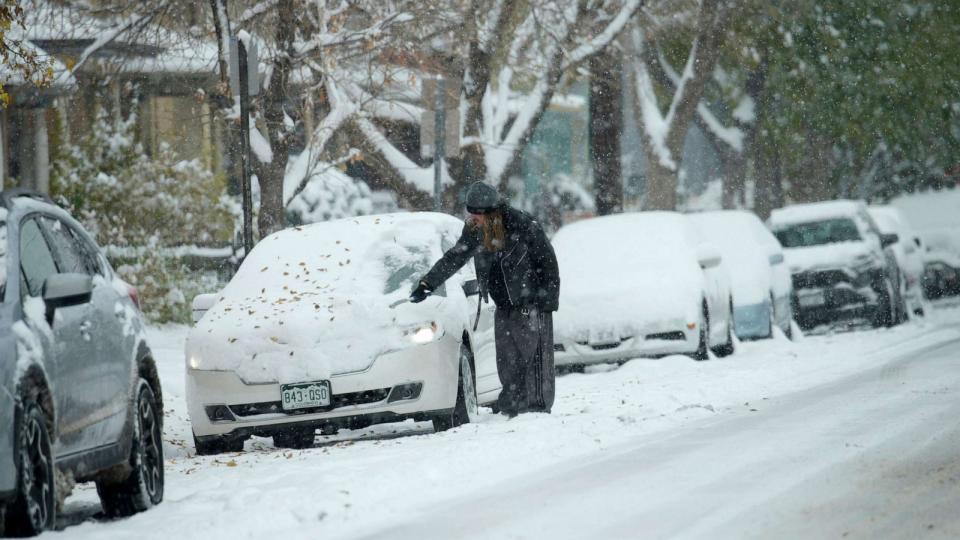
pixel 818 233
pixel 404 266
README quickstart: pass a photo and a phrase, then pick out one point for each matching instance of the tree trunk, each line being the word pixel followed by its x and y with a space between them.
pixel 768 191
pixel 606 125
pixel 272 216
pixel 661 180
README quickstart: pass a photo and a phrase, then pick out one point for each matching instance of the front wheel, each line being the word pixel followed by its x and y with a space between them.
pixel 33 509
pixel 726 348
pixel 703 349
pixel 143 488
pixel 466 409
pixel 887 312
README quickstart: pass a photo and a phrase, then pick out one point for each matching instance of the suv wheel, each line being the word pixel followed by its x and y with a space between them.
pixel 886 314
pixel 143 487
pixel 33 509
pixel 295 437
pixel 466 409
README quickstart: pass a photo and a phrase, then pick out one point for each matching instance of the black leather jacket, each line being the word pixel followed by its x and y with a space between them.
pixel 522 275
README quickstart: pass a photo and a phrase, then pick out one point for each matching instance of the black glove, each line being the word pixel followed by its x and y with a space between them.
pixel 420 292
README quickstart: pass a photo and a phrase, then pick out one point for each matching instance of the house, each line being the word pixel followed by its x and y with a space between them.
pixel 120 66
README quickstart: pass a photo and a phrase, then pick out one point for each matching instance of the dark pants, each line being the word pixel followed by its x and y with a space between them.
pixel 525 360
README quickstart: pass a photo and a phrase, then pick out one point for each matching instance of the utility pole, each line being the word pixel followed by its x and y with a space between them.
pixel 244 83
pixel 245 155
pixel 438 146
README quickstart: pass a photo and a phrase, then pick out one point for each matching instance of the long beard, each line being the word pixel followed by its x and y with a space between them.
pixel 494 235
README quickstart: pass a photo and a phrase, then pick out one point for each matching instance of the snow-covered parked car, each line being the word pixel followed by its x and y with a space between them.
pixel 908 252
pixel 639 284
pixel 80 398
pixel 840 268
pixel 941 275
pixel 759 278
pixel 315 332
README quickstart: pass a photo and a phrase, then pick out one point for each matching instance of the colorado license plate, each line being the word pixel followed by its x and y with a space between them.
pixel 304 395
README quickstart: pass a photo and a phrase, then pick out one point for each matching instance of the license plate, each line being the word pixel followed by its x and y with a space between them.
pixel 603 337
pixel 305 395
pixel 813 299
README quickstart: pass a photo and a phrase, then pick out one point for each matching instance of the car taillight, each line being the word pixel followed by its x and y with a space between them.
pixel 134 295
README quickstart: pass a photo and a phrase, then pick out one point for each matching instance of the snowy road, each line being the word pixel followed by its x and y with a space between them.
pixel 849 433
pixel 873 455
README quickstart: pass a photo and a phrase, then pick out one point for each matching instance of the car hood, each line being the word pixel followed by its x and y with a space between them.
pixel 308 337
pixel 840 255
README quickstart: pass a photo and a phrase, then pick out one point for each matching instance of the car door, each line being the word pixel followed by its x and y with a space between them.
pixel 113 349
pixel 483 339
pixel 76 377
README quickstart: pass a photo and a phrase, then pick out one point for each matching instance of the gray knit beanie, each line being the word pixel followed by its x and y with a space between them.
pixel 482 198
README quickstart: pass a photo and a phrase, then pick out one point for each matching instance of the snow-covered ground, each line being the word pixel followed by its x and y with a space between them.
pixel 358 483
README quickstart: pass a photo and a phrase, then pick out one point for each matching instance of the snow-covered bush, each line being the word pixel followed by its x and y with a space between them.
pixel 127 199
pixel 329 194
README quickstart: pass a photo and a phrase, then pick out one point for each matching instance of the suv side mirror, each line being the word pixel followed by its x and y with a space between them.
pixel 471 287
pixel 776 258
pixel 888 239
pixel 708 256
pixel 65 290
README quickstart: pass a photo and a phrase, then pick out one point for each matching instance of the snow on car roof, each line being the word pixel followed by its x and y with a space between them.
pixel 888 219
pixel 805 213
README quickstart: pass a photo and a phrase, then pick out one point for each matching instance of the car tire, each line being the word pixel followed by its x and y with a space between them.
pixel 466 409
pixel 886 313
pixel 726 349
pixel 143 487
pixel 34 508
pixel 217 444
pixel 703 349
pixel 571 368
pixel 297 438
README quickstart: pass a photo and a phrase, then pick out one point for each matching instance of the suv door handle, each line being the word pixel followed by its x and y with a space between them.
pixel 85 327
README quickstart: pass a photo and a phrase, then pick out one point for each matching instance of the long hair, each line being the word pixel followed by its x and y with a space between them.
pixel 494 234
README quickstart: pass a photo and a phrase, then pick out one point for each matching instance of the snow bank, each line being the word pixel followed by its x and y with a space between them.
pixel 307 300
pixel 626 272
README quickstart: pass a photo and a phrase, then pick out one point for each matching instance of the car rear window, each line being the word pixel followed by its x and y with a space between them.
pixel 818 233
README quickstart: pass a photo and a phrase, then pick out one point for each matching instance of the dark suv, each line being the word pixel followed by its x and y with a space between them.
pixel 79 393
pixel 839 263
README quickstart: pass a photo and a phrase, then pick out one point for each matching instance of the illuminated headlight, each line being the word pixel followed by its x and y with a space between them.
pixel 424 333
pixel 193 362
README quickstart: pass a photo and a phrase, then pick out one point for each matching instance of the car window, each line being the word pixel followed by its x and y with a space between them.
pixel 36 261
pixel 817 233
pixel 73 251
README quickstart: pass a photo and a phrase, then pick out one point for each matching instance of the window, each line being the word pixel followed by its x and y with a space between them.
pixel 818 233
pixel 36 261
pixel 67 247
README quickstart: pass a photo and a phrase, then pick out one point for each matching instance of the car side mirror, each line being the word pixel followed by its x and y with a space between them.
pixel 471 287
pixel 201 304
pixel 888 239
pixel 916 240
pixel 708 256
pixel 65 290
pixel 776 258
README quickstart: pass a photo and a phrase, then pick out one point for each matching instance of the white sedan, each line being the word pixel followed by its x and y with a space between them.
pixel 762 287
pixel 641 284
pixel 314 332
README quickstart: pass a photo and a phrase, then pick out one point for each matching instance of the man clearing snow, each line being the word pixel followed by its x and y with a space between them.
pixel 516 266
